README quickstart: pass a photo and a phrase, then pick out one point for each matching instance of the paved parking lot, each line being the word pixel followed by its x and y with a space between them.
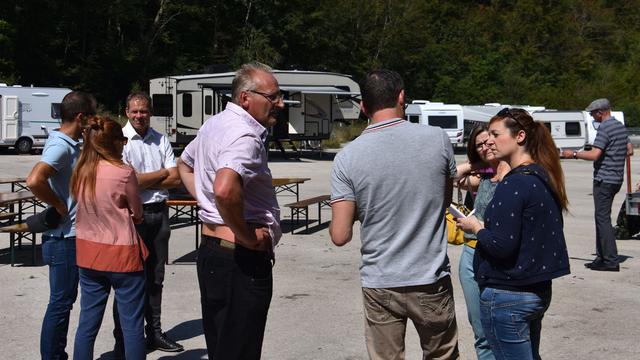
pixel 316 311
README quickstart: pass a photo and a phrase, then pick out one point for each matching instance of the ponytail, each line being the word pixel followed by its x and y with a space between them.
pixel 540 146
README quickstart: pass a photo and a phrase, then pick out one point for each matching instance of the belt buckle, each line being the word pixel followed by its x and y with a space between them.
pixel 227 244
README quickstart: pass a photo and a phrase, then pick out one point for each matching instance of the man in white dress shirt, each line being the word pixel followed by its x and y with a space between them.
pixel 151 155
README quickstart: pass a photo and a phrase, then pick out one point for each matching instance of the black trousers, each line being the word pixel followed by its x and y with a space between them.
pixel 606 248
pixel 235 291
pixel 155 233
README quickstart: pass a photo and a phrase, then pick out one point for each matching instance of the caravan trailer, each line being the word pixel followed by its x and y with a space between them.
pixel 313 100
pixel 572 129
pixel 28 114
pixel 449 117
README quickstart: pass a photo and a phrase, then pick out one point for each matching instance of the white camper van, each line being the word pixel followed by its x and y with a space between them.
pixel 567 128
pixel 28 114
pixel 572 129
pixel 313 100
pixel 447 116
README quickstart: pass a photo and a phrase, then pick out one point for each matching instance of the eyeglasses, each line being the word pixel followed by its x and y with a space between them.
pixel 481 145
pixel 512 114
pixel 273 98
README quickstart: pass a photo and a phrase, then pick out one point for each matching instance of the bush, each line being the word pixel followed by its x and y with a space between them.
pixel 343 133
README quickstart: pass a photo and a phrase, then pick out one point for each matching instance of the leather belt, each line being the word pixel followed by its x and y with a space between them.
pixel 154 207
pixel 214 242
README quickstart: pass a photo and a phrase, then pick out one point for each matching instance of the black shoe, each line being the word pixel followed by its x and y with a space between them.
pixel 118 350
pixel 605 267
pixel 163 343
pixel 596 262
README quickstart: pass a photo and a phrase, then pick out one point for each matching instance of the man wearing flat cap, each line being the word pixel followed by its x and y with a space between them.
pixel 609 151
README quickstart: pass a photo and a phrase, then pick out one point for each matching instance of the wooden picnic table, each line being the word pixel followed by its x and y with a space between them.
pixel 290 185
pixel 8 202
pixel 17 183
pixel 185 211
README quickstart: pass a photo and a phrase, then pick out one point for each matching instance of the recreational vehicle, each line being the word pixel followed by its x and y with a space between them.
pixel 28 114
pixel 572 129
pixel 449 117
pixel 313 100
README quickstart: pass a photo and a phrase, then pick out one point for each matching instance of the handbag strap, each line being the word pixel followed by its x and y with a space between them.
pixel 469 187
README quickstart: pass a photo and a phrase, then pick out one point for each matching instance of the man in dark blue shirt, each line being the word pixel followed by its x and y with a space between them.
pixel 608 154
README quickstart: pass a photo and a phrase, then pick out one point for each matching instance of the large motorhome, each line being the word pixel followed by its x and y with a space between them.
pixel 449 117
pixel 27 114
pixel 313 100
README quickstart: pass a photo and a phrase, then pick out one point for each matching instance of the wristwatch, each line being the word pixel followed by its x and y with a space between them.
pixel 575 154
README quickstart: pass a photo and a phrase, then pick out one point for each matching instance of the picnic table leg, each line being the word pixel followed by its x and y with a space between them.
pixel 12 248
pixel 197 228
pixel 33 248
pixel 297 192
pixel 292 227
pixel 306 219
pixel 319 213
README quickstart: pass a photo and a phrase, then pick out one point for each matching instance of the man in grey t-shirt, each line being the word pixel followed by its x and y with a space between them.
pixel 396 179
pixel 610 149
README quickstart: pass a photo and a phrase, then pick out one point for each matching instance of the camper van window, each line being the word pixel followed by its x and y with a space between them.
pixel 548 126
pixel 413 118
pixel 572 128
pixel 55 110
pixel 445 122
pixel 186 105
pixel 162 104
pixel 208 105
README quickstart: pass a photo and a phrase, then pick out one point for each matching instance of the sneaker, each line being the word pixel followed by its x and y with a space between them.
pixel 163 343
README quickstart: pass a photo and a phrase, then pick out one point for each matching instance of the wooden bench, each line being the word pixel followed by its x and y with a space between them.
pixel 302 208
pixel 17 232
pixel 8 216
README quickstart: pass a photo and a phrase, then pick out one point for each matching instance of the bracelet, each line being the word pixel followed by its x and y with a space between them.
pixel 575 154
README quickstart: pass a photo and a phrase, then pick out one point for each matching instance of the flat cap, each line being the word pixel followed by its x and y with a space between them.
pixel 599 104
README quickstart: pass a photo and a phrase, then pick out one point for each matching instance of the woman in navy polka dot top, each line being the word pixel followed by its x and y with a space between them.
pixel 521 245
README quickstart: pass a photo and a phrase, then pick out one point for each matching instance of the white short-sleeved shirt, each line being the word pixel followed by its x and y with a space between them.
pixel 147 154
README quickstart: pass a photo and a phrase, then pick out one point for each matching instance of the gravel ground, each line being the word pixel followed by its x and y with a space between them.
pixel 316 311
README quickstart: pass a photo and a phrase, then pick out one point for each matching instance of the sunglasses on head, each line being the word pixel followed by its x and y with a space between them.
pixel 511 114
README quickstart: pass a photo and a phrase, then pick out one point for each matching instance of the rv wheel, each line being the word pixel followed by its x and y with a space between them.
pixel 23 145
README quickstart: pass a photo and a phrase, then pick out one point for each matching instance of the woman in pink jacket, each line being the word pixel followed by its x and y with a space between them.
pixel 108 250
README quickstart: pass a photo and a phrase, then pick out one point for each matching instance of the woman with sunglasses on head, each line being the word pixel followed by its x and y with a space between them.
pixel 108 250
pixel 484 184
pixel 521 245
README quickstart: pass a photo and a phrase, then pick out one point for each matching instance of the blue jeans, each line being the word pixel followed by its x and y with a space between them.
pixel 512 322
pixel 129 293
pixel 60 255
pixel 471 293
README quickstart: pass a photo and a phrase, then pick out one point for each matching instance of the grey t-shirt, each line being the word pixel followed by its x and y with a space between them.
pixel 396 172
pixel 612 139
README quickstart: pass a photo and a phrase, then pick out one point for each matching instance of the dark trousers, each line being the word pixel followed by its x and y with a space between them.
pixel 155 233
pixel 235 291
pixel 603 194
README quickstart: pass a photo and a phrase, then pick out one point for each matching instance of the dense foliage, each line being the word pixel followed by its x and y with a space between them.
pixel 560 54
